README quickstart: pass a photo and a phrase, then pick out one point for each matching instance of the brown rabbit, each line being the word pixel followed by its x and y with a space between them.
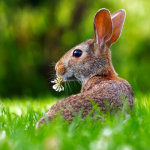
pixel 90 62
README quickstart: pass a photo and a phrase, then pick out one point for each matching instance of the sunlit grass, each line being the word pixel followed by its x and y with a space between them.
pixel 16 105
pixel 124 132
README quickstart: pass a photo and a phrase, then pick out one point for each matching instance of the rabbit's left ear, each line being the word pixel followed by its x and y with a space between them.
pixel 102 28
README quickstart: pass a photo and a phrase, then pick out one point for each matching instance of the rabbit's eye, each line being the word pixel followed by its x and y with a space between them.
pixel 77 53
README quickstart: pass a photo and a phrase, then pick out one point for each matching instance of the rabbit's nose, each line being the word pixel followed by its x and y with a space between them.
pixel 60 69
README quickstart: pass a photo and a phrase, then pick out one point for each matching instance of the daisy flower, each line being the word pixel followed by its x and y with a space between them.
pixel 58 86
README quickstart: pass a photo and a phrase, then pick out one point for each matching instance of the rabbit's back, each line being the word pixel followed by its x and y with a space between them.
pixel 104 93
pixel 114 90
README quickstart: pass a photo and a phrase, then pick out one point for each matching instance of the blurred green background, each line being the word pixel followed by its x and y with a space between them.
pixel 36 33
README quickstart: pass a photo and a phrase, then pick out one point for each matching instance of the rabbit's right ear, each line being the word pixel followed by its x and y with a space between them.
pixel 102 29
pixel 118 20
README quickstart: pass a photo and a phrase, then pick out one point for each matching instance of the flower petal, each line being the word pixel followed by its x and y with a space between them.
pixel 55 86
pixel 62 88
pixel 54 81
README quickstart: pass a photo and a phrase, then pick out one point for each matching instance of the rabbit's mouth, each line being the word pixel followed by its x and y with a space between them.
pixel 68 78
pixel 72 78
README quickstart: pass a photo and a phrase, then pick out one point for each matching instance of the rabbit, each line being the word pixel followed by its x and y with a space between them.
pixel 90 62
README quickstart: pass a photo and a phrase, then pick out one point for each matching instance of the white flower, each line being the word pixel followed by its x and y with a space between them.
pixel 58 86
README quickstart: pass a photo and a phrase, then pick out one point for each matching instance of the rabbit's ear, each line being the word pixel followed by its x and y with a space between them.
pixel 117 19
pixel 102 27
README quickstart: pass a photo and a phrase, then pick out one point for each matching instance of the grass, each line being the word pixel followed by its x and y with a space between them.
pixel 124 132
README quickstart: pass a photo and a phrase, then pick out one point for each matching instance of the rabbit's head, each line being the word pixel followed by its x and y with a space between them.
pixel 92 57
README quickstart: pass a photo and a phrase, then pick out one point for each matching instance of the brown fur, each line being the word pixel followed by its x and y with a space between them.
pixel 62 70
pixel 94 69
pixel 99 89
